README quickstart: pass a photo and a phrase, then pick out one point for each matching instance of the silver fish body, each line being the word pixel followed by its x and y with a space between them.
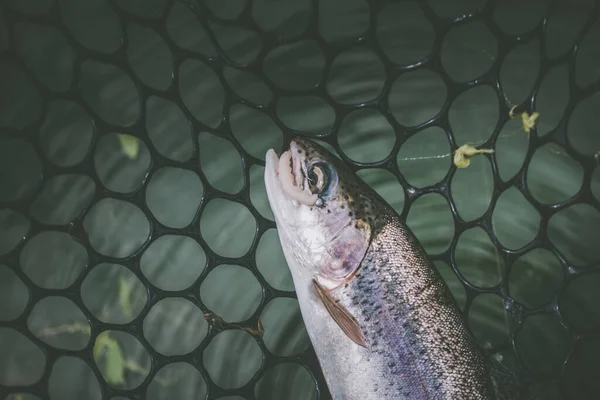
pixel 383 323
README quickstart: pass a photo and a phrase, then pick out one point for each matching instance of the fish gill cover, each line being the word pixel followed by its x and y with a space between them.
pixel 138 255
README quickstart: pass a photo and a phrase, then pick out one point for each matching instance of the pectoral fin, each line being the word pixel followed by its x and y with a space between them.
pixel 340 315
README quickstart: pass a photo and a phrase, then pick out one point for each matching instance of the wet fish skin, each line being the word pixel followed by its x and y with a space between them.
pixel 413 342
pixel 412 326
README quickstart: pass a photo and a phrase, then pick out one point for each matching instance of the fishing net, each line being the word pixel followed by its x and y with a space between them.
pixel 139 258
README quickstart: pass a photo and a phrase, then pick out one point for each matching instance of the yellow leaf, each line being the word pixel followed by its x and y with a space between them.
pixel 463 155
pixel 130 145
pixel 529 121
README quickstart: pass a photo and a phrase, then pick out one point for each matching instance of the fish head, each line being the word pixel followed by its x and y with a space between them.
pixel 323 211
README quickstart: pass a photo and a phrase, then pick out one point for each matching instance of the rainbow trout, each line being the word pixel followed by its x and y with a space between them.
pixel 382 321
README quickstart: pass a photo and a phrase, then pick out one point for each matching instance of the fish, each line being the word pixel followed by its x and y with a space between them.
pixel 382 321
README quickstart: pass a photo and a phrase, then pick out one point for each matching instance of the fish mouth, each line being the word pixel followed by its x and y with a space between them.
pixel 289 173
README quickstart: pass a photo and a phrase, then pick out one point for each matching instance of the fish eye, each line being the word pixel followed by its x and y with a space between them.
pixel 313 179
pixel 317 178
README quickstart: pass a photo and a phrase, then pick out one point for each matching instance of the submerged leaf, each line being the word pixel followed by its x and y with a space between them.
pixel 114 372
pixel 115 364
pixel 130 145
pixel 100 345
pixel 125 297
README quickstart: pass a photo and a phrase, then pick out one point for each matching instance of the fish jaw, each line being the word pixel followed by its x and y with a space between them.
pixel 275 194
pixel 290 215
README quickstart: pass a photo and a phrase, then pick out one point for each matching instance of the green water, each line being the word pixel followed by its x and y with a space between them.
pixel 116 228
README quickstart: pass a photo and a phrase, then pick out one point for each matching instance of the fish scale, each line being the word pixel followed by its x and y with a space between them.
pixel 410 321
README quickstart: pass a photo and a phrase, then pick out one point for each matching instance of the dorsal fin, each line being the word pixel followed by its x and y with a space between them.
pixel 340 315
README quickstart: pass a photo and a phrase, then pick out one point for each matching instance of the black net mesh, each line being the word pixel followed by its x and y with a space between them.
pixel 424 75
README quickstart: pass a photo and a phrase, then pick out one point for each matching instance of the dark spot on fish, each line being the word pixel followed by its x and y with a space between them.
pixel 356 226
pixel 391 364
pixel 299 151
pixel 342 206
pixel 346 285
pixel 328 211
pixel 350 214
pixel 422 351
